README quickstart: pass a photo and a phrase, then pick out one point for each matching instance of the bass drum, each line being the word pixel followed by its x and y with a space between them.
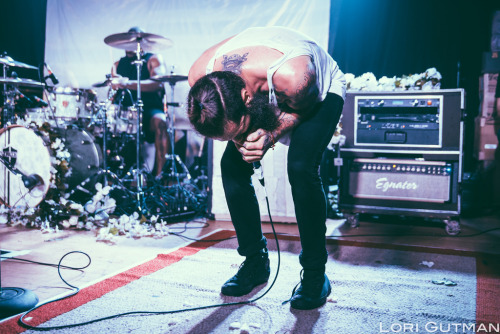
pixel 24 157
pixel 85 156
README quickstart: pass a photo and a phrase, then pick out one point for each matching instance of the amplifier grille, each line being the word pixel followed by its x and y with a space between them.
pixel 415 181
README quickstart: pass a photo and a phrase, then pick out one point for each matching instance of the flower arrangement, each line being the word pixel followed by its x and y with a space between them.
pixel 428 80
pixel 57 211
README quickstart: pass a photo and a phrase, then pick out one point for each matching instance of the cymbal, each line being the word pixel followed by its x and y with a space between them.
pixel 128 41
pixel 20 82
pixel 105 83
pixel 6 60
pixel 172 78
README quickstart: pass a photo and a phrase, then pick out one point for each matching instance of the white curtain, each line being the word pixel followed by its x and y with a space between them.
pixel 77 54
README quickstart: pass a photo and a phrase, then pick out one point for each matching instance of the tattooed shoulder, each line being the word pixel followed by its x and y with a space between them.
pixel 233 62
pixel 304 86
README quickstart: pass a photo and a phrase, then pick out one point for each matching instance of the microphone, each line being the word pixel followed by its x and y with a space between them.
pixel 51 75
pixel 36 98
pixel 40 101
pixel 31 181
pixel 24 97
pixel 257 167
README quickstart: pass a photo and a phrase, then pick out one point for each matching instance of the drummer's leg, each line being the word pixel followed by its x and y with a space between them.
pixel 158 126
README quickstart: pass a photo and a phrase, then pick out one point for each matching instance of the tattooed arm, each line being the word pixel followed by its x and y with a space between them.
pixel 297 93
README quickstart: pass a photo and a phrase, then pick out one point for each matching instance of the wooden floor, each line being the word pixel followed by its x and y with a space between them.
pixel 109 259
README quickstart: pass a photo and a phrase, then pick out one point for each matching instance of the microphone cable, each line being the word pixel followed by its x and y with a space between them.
pixel 260 176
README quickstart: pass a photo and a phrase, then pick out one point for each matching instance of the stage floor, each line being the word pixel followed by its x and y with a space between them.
pixel 109 259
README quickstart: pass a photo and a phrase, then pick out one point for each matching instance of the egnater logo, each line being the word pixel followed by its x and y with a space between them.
pixel 384 184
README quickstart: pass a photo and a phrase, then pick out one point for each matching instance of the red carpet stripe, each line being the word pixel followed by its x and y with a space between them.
pixel 99 289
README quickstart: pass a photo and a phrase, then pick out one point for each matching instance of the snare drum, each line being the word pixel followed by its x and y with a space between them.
pixel 71 104
pixel 23 154
pixel 122 120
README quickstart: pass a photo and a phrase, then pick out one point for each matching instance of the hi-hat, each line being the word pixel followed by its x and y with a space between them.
pixel 172 78
pixel 105 83
pixel 20 82
pixel 128 41
pixel 6 60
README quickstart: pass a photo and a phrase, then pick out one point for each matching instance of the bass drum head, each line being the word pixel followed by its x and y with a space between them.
pixel 23 152
pixel 85 156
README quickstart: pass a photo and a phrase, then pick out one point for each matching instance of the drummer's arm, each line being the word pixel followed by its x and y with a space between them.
pixel 155 66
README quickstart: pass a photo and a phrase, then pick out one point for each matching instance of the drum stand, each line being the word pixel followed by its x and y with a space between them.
pixel 173 162
pixel 138 175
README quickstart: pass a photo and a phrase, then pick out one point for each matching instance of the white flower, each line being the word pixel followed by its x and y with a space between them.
pixel 109 205
pixel 97 197
pixel 76 206
pixel 105 190
pixel 73 220
pixel 349 77
pixel 57 142
pixel 66 224
pixel 369 76
pixel 432 73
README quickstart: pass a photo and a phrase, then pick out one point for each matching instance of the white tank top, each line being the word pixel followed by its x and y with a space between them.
pixel 329 78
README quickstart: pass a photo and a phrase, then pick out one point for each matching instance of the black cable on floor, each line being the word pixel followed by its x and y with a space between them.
pixel 46 264
pixel 22 323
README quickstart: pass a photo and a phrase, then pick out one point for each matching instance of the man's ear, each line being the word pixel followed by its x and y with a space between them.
pixel 245 96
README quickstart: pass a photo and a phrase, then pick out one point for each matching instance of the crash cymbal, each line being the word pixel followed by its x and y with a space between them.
pixel 20 82
pixel 6 60
pixel 128 41
pixel 172 78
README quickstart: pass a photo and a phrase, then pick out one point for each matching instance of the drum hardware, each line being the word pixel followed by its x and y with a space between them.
pixel 70 104
pixel 102 114
pixel 5 60
pixel 25 167
pixel 173 162
pixel 129 41
pixel 138 42
pixel 29 181
pixel 21 82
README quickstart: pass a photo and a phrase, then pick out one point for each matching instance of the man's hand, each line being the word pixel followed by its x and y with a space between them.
pixel 119 82
pixel 255 146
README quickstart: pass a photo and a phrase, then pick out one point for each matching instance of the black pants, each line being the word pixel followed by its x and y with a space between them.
pixel 308 141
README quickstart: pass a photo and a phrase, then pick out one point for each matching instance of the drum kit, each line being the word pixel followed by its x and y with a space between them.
pixel 95 132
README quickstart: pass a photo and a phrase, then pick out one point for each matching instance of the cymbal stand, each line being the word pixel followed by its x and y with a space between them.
pixel 173 158
pixel 7 101
pixel 138 62
pixel 102 114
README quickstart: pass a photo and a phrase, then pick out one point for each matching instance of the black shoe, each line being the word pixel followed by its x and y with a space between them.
pixel 312 292
pixel 253 271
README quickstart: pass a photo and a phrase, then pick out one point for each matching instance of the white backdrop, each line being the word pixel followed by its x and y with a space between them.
pixel 77 54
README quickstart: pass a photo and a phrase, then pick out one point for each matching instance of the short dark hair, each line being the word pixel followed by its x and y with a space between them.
pixel 214 100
